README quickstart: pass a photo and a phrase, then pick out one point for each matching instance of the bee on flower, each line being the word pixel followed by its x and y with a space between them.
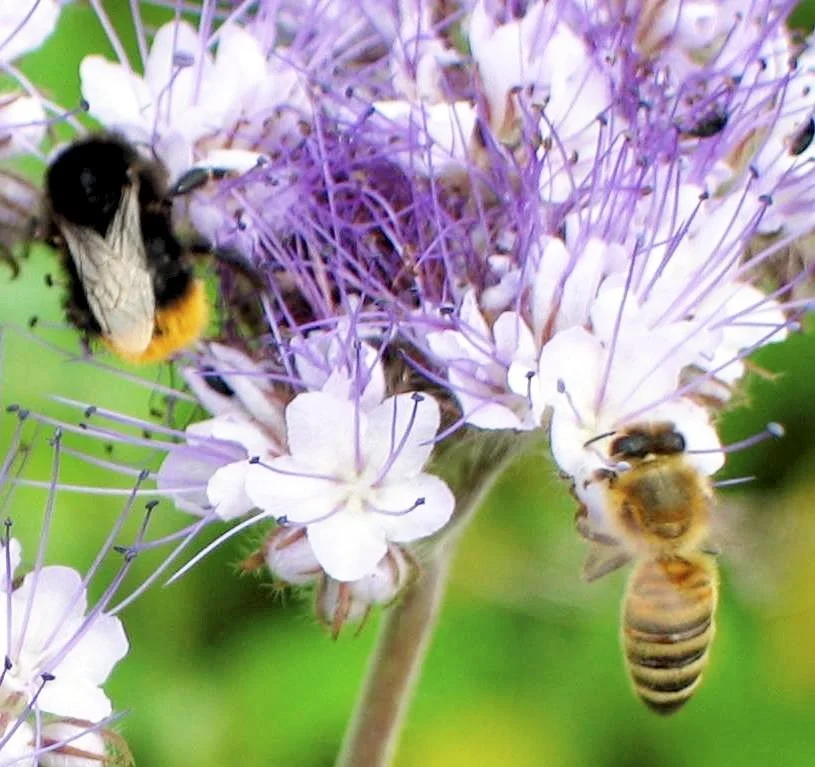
pixel 474 222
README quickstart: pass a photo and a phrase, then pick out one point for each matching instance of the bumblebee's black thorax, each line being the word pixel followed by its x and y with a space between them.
pixel 84 186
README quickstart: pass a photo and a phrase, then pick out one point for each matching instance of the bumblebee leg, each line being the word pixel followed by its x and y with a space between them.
pixel 231 259
pixel 7 257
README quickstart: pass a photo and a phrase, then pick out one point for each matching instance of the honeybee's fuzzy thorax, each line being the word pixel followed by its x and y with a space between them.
pixel 663 504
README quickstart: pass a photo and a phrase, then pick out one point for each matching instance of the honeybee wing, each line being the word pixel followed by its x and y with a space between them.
pixel 114 275
pixel 603 559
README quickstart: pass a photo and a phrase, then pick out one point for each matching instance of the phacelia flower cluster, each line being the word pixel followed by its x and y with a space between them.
pixel 471 217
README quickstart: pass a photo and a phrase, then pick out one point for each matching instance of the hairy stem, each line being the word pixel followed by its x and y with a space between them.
pixel 470 467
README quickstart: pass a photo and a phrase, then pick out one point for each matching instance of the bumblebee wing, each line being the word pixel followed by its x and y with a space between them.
pixel 116 281
pixel 603 559
pixel 124 233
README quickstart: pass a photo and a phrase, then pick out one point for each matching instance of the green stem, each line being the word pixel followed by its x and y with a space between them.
pixel 471 466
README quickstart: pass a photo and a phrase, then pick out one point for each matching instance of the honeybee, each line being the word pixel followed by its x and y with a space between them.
pixel 659 507
pixel 108 210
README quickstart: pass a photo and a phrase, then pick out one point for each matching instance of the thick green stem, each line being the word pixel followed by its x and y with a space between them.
pixel 470 467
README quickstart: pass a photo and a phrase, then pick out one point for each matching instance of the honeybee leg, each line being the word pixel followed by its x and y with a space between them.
pixel 585 530
pixel 602 560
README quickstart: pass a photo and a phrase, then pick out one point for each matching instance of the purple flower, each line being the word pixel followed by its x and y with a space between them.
pixel 499 217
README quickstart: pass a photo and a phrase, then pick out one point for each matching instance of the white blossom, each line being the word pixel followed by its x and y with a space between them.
pixel 355 478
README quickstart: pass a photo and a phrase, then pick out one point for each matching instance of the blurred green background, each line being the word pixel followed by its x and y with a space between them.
pixel 525 669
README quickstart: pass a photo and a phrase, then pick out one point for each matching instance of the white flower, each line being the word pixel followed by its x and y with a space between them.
pixel 332 361
pixel 79 741
pixel 540 54
pixel 216 459
pixel 14 553
pixel 228 381
pixel 419 56
pixel 439 133
pixel 355 478
pixel 50 634
pixel 22 124
pixel 594 391
pixel 185 95
pixel 492 370
pixel 25 25
pixel 18 750
pixel 565 282
pixel 207 472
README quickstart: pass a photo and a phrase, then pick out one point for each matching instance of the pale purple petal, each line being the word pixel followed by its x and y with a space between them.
pixel 347 545
pixel 287 490
pixel 434 511
pixel 75 697
pixel 59 601
pixel 95 654
pixel 116 97
pixel 226 491
pixel 402 424
pixel 321 431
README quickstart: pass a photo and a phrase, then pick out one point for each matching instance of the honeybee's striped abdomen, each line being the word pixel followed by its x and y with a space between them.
pixel 668 625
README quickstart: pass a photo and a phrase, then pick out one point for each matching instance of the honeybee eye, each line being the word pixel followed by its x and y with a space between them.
pixel 671 442
pixel 634 445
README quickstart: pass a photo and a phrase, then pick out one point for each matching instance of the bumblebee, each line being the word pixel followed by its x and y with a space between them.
pixel 660 509
pixel 131 282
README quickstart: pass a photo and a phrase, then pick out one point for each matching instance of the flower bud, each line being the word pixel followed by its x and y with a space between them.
pixel 289 556
pixel 339 603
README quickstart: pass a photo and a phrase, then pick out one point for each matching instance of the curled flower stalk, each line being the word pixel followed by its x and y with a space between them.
pixel 453 228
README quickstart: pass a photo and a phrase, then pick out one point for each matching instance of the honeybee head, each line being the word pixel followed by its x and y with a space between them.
pixel 638 442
